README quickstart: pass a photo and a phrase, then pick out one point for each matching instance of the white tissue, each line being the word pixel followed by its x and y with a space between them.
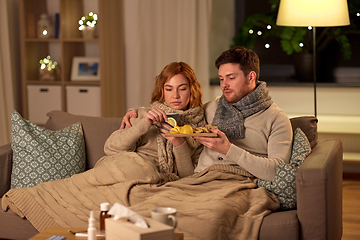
pixel 120 211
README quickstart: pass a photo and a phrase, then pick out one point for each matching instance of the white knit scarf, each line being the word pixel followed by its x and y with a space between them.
pixel 195 118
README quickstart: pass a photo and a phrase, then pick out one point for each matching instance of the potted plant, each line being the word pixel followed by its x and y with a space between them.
pixel 298 40
pixel 87 25
pixel 49 70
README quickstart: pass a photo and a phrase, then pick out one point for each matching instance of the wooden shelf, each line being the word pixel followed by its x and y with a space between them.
pixel 80 83
pixel 43 82
pixel 95 40
pixel 56 40
pixel 108 47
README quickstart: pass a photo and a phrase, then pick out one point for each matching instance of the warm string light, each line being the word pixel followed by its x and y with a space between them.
pixel 259 33
pixel 268 27
pixel 88 20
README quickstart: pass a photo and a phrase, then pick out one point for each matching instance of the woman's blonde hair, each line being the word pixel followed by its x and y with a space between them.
pixel 171 70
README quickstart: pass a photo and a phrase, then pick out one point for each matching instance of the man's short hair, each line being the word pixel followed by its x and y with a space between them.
pixel 248 60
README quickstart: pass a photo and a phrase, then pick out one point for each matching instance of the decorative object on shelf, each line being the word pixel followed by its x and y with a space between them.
pixel 49 70
pixel 87 25
pixel 85 69
pixel 88 32
pixel 57 25
pixel 44 29
pixel 321 13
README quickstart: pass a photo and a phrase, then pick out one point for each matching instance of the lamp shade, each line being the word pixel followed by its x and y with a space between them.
pixel 316 13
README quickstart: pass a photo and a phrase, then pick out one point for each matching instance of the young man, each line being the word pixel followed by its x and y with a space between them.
pixel 253 133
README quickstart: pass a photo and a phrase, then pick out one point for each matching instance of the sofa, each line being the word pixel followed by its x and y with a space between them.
pixel 318 182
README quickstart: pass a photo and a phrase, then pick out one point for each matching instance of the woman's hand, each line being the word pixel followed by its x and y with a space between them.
pixel 126 119
pixel 155 116
pixel 176 141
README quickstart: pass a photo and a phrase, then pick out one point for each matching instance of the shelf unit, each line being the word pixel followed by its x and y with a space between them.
pixel 70 44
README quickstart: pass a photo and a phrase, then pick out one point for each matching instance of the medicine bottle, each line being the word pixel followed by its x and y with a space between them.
pixel 104 208
pixel 91 228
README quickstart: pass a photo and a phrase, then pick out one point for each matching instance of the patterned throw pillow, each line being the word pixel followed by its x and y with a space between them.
pixel 284 183
pixel 41 155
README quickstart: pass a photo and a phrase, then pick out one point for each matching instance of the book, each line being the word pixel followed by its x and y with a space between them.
pixel 57 25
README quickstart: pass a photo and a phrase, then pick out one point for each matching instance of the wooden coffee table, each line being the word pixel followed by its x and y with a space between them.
pixel 60 231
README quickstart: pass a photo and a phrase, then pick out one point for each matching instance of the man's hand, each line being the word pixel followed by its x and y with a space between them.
pixel 126 119
pixel 221 143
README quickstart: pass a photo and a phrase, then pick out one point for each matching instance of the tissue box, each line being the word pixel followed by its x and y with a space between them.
pixel 125 230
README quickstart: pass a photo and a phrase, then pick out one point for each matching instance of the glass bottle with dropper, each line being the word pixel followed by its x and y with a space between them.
pixel 104 208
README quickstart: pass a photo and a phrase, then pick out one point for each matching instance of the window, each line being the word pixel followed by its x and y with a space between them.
pixel 276 66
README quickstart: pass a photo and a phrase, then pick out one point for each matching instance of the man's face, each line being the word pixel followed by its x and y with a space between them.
pixel 234 84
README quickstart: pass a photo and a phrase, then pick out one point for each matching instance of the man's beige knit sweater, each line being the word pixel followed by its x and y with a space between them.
pixel 141 138
pixel 267 142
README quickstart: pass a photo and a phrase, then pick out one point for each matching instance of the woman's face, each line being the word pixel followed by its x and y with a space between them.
pixel 177 92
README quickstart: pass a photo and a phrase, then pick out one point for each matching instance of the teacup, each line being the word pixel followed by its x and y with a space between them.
pixel 166 215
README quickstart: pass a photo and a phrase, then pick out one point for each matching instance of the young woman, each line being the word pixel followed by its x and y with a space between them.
pixel 176 91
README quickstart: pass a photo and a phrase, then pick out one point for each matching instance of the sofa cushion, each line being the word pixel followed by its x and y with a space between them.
pixel 41 155
pixel 284 183
pixel 96 131
pixel 308 125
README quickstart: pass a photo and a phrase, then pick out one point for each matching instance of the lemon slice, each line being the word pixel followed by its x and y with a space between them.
pixel 186 129
pixel 175 130
pixel 172 122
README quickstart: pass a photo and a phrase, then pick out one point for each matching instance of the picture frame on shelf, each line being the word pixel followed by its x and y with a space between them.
pixel 85 69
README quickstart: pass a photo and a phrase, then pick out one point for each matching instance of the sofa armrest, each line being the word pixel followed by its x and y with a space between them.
pixel 5 168
pixel 319 191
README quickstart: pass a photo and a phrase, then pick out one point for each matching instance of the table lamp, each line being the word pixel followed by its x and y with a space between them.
pixel 314 13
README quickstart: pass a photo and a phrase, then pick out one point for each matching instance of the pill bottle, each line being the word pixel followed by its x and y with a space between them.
pixel 104 208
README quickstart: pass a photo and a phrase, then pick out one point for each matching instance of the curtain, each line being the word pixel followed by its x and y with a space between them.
pixel 6 74
pixel 158 32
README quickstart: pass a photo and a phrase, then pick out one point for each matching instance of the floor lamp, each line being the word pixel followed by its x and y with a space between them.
pixel 314 13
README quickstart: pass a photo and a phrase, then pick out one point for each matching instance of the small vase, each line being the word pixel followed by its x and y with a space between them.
pixel 88 32
pixel 47 75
